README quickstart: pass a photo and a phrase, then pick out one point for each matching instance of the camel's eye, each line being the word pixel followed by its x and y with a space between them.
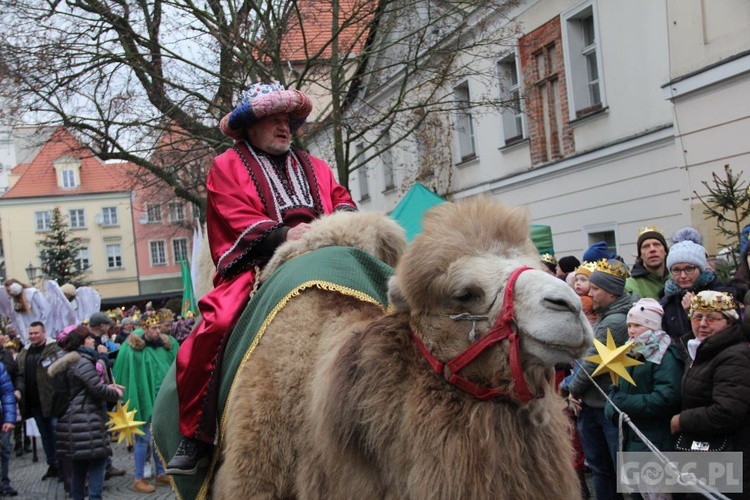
pixel 467 295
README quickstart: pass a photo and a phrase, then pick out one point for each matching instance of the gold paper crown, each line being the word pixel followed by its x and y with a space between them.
pixel 189 315
pixel 711 300
pixel 152 319
pixel 549 259
pixel 164 315
pixel 616 269
pixel 649 229
pixel 586 268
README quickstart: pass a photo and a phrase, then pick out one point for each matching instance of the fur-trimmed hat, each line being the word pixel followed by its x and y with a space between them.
pixel 713 301
pixel 265 99
pixel 648 313
pixel 610 275
pixel 650 233
pixel 687 251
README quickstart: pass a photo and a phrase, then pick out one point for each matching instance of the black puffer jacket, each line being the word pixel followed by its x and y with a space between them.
pixel 81 431
pixel 716 392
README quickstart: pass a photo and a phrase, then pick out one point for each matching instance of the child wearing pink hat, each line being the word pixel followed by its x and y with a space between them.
pixel 651 402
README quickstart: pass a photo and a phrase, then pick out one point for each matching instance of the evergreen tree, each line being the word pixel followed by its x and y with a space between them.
pixel 59 252
pixel 728 202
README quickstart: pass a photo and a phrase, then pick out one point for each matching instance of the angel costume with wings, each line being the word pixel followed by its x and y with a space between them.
pixel 22 313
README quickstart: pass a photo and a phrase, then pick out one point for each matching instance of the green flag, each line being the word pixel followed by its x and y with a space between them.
pixel 188 297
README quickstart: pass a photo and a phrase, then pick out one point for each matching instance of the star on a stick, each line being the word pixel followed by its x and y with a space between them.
pixel 124 422
pixel 613 359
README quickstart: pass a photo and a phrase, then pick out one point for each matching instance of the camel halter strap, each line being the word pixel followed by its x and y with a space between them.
pixel 500 331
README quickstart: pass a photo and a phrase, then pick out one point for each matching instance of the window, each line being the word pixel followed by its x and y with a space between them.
pixel 68 178
pixel 114 256
pixel 582 46
pixel 180 249
pixel 603 232
pixel 153 212
pixel 43 220
pixel 158 253
pixel 386 156
pixel 67 171
pixel 364 189
pixel 82 259
pixel 464 123
pixel 510 92
pixel 548 86
pixel 176 212
pixel 76 218
pixel 109 216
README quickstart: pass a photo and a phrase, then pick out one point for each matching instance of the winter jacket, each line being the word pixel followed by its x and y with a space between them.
pixel 614 318
pixel 645 283
pixel 716 393
pixel 50 354
pixel 651 402
pixel 7 397
pixel 81 431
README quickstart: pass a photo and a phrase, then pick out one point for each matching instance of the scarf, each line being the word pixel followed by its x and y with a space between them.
pixel 651 345
pixel 705 278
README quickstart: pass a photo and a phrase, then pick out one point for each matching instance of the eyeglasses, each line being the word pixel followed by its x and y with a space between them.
pixel 710 318
pixel 685 270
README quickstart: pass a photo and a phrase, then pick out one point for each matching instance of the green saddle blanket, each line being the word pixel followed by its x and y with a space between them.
pixel 344 270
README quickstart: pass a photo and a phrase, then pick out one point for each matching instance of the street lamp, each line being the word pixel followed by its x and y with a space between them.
pixel 31 272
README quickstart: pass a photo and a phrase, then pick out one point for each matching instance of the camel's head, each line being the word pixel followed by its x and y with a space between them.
pixel 460 264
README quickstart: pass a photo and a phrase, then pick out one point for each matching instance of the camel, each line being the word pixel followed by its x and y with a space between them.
pixel 448 395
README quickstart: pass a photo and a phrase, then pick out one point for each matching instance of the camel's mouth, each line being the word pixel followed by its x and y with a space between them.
pixel 571 350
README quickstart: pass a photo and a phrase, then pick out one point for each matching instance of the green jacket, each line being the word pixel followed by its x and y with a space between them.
pixel 50 354
pixel 651 402
pixel 141 368
pixel 644 283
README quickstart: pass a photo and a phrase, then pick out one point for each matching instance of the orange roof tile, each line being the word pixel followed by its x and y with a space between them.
pixel 38 177
pixel 316 17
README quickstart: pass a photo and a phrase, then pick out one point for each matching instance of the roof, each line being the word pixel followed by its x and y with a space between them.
pixel 317 19
pixel 38 178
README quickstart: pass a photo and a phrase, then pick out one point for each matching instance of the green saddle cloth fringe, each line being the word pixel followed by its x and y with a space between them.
pixel 345 270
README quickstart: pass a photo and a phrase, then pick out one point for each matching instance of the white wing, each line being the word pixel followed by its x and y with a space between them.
pixel 61 312
pixel 88 301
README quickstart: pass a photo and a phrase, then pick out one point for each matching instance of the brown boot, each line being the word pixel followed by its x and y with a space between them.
pixel 143 486
pixel 163 479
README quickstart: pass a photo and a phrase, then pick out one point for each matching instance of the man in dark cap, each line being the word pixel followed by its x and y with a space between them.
pixel 598 435
pixel 566 265
pixel 649 273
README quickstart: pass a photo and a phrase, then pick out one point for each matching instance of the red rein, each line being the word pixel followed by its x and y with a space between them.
pixel 500 331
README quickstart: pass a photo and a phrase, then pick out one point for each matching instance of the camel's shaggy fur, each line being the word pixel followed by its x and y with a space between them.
pixel 337 402
pixel 372 232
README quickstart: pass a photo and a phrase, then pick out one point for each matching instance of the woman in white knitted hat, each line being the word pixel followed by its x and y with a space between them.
pixel 690 275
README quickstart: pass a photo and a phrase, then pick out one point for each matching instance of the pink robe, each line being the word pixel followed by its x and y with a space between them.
pixel 247 204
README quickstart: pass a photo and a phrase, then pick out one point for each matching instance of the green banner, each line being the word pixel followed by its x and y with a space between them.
pixel 188 297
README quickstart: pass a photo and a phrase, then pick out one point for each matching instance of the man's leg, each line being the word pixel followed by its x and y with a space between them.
pixel 198 365
pixel 6 489
pixel 597 452
pixel 47 432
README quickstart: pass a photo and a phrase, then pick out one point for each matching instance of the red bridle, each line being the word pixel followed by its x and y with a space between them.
pixel 500 331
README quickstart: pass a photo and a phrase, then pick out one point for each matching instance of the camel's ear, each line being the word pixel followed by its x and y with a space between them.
pixel 395 297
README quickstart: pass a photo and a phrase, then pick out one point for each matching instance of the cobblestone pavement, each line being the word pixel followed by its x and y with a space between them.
pixel 26 478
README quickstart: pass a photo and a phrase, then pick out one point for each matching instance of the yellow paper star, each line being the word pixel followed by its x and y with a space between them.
pixel 124 422
pixel 613 359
